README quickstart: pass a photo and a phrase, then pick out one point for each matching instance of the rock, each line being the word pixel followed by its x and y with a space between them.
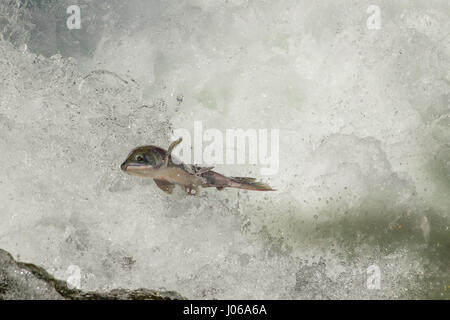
pixel 26 281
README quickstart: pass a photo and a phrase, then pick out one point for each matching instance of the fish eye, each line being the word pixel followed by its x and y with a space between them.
pixel 139 158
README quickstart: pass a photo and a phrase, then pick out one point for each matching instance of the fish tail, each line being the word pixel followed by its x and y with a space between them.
pixel 249 184
pixel 216 180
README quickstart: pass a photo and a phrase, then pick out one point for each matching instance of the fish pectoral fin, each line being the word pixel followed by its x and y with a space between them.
pixel 164 185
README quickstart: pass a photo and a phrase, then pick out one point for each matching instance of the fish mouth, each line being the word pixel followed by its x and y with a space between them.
pixel 129 166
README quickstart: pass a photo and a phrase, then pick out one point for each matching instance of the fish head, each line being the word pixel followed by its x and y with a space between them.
pixel 144 161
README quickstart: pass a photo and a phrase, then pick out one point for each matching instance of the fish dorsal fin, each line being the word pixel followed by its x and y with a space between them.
pixel 173 145
pixel 164 185
pixel 167 157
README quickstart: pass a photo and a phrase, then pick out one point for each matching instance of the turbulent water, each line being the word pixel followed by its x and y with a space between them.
pixel 364 148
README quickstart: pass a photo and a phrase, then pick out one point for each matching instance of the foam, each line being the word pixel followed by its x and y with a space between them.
pixel 363 174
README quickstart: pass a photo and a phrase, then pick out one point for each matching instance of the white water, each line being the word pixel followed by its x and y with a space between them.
pixel 364 145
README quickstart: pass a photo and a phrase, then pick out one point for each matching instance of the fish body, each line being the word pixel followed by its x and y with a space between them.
pixel 167 171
